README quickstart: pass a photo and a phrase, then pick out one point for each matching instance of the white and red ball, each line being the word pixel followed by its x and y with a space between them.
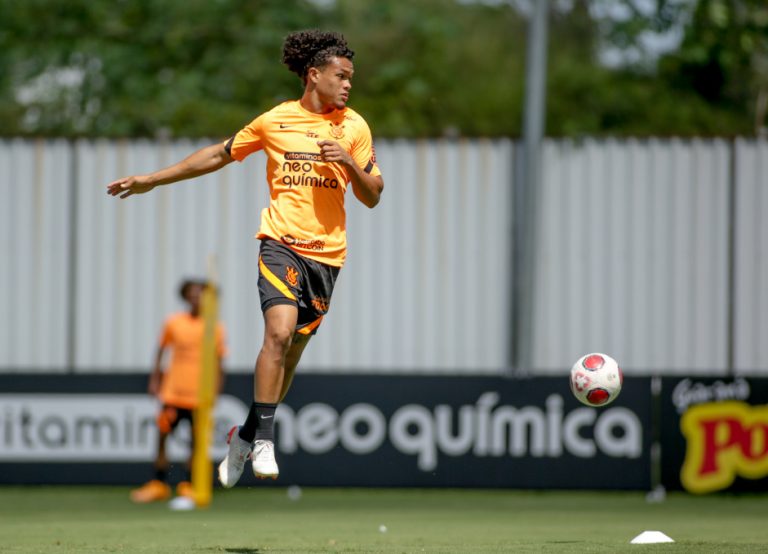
pixel 596 379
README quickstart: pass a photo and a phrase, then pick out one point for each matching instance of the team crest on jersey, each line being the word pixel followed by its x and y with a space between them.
pixel 337 130
pixel 291 276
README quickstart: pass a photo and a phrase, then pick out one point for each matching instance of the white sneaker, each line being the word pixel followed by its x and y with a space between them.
pixel 231 468
pixel 264 464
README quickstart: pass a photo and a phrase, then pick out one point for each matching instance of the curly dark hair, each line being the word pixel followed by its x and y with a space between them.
pixel 188 283
pixel 313 48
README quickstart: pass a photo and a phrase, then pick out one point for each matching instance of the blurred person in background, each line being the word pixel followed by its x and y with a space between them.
pixel 177 386
pixel 315 147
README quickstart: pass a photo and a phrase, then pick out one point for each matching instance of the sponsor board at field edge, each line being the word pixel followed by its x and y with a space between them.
pixel 482 429
pixel 96 427
pixel 726 437
pixel 486 426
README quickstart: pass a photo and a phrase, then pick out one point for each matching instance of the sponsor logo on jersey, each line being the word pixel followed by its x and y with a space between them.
pixel 303 156
pixel 308 244
pixel 299 171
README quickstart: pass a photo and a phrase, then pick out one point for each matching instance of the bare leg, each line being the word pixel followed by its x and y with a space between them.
pixel 161 462
pixel 157 488
pixel 280 322
pixel 191 457
pixel 292 360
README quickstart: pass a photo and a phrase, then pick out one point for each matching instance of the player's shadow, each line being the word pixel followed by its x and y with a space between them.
pixel 243 550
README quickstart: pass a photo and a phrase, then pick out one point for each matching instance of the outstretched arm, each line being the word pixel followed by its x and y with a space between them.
pixel 203 161
pixel 367 187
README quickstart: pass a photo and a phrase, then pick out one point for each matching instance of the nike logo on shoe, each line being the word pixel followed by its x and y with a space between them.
pixel 284 126
pixel 267 417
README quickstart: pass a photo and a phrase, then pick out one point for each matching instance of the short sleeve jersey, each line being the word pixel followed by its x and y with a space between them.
pixel 184 335
pixel 306 208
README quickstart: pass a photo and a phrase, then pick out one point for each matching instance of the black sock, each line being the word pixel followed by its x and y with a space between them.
pixel 260 423
pixel 161 474
pixel 266 428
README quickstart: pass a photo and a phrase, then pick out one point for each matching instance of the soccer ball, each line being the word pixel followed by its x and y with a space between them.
pixel 596 379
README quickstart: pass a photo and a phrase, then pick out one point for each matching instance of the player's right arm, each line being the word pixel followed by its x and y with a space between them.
pixel 205 160
pixel 156 378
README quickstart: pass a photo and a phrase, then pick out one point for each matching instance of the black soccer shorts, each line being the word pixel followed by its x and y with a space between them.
pixel 286 277
pixel 170 417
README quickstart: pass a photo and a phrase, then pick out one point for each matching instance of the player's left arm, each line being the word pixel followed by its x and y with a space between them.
pixel 367 187
pixel 219 375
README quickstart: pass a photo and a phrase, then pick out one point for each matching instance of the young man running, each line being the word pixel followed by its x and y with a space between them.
pixel 315 147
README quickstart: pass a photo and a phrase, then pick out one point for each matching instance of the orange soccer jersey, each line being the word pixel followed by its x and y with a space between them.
pixel 181 381
pixel 306 209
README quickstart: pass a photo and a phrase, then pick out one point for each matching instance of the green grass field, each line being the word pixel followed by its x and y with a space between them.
pixel 250 520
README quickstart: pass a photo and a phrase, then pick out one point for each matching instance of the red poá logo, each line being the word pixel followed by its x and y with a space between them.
pixel 724 440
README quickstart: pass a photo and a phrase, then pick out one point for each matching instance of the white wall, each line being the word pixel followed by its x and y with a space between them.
pixel 633 257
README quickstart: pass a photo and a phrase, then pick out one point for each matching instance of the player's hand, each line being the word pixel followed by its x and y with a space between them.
pixel 128 186
pixel 331 151
pixel 153 388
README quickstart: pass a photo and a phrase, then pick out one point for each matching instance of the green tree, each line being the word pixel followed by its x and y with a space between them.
pixel 718 77
pixel 142 67
pixel 436 67
pixel 427 68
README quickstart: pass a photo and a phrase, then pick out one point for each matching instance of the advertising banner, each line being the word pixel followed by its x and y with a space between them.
pixel 342 430
pixel 714 434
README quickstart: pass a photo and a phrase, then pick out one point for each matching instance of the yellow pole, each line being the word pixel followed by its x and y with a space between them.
pixel 202 468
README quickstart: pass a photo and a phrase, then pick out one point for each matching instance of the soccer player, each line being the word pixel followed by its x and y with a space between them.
pixel 178 386
pixel 315 146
